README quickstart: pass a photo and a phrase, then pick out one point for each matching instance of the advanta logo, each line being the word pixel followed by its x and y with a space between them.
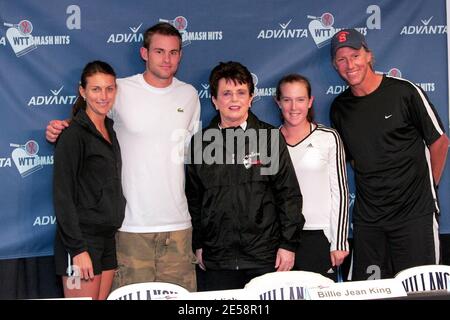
pixel 54 99
pixel 283 33
pixel 44 220
pixel 352 201
pixel 5 162
pixel 26 158
pixel 424 28
pixel 132 37
pixel 181 24
pixel 204 93
pixel 338 89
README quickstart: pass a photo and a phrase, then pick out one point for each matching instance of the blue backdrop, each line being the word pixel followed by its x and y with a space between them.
pixel 44 45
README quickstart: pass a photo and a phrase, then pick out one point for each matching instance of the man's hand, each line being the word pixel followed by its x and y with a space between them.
pixel 54 129
pixel 285 260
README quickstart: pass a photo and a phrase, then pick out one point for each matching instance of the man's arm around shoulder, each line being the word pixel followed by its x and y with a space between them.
pixel 54 129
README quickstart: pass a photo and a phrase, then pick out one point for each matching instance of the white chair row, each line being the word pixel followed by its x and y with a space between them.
pixel 291 285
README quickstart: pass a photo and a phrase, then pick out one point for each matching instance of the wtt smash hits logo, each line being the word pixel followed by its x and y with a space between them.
pixel 394 72
pixel 426 86
pixel 322 30
pixel 425 28
pixel 321 27
pixel 55 98
pixel 26 158
pixel 181 24
pixel 262 91
pixel 204 92
pixel 22 40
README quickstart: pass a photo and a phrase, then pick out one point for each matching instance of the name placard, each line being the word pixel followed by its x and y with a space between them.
pixel 358 290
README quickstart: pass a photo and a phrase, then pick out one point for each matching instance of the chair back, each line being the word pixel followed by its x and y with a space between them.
pixel 425 278
pixel 287 285
pixel 147 291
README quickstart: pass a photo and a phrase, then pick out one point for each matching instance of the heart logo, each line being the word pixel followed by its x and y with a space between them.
pixel 320 34
pixel 20 43
pixel 25 163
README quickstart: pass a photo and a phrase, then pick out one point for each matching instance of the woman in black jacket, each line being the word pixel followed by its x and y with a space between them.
pixel 241 188
pixel 88 199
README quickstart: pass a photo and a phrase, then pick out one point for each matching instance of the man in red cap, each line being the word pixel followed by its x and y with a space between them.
pixel 397 146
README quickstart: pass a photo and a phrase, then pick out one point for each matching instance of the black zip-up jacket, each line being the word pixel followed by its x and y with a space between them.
pixel 87 190
pixel 241 217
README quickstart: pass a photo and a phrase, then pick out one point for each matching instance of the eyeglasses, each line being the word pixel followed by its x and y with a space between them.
pixel 240 94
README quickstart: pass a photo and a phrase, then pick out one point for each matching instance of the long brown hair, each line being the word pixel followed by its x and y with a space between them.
pixel 90 69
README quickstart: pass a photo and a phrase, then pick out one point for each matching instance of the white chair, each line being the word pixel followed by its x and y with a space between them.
pixel 147 291
pixel 232 294
pixel 425 278
pixel 287 285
